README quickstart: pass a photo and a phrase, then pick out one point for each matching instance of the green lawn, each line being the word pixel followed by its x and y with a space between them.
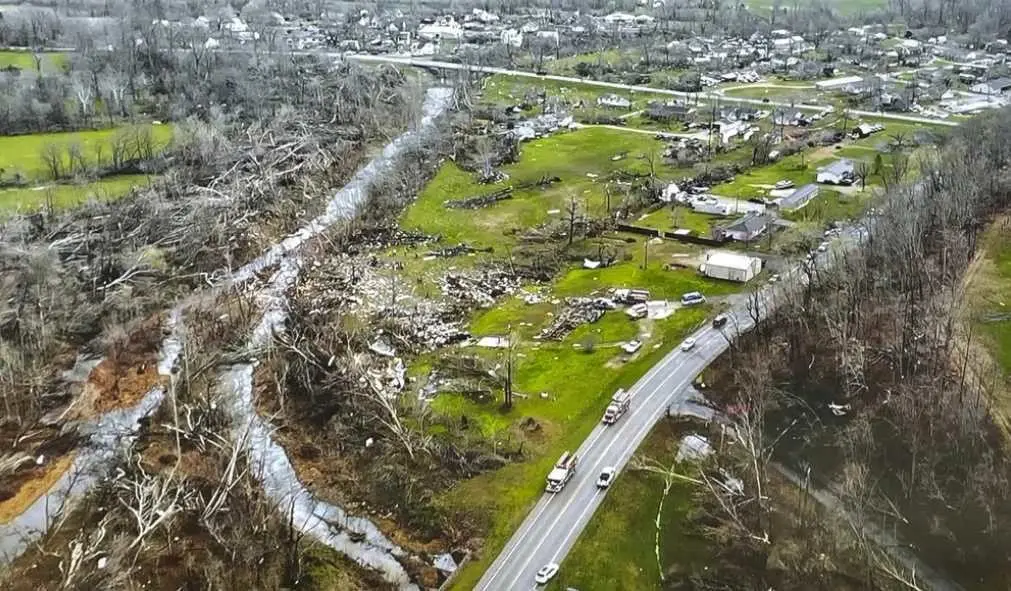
pixel 831 206
pixel 992 297
pixel 22 154
pixel 617 548
pixel 679 217
pixel 25 60
pixel 570 156
pixel 799 95
pixel 662 283
pixel 508 90
pixel 800 168
pixel 63 196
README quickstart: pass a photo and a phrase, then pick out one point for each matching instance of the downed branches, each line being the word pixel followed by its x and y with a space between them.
pixel 458 250
pixel 577 311
pixel 503 194
pixel 481 200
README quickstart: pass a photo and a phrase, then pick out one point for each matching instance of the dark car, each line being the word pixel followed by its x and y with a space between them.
pixel 720 320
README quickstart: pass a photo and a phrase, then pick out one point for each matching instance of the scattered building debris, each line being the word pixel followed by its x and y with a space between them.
pixel 577 311
pixel 493 342
pixel 381 347
pixel 480 288
pixel 693 447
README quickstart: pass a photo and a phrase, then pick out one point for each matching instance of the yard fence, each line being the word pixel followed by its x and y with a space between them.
pixel 669 235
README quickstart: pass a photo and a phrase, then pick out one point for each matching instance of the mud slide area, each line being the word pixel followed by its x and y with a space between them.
pixel 106 436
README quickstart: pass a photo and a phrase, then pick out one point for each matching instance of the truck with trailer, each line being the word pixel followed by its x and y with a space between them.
pixel 617 407
pixel 562 472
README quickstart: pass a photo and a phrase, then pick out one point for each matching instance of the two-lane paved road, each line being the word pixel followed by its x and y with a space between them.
pixel 439 65
pixel 555 522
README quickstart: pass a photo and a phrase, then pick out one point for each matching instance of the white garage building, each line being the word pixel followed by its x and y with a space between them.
pixel 731 266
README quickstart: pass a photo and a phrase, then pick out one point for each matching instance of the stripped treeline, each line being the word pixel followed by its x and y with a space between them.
pixel 334 382
pixel 93 281
pixel 865 378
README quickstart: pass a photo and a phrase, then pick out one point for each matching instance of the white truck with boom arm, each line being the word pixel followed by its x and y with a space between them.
pixel 617 407
pixel 563 471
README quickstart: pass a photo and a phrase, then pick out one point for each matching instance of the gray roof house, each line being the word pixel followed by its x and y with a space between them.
pixel 836 173
pixel 996 86
pixel 799 198
pixel 747 228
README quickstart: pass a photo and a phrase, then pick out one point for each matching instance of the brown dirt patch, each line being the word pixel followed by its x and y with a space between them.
pixel 39 482
pixel 127 373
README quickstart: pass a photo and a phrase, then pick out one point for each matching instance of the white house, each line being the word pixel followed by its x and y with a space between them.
pixel 444 28
pixel 732 266
pixel 998 86
pixel 615 101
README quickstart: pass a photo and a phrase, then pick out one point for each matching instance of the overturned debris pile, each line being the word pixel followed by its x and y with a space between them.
pixel 577 311
pixel 458 250
pixel 480 201
pixel 479 289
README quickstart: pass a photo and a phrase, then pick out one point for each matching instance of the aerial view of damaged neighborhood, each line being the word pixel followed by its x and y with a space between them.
pixel 566 295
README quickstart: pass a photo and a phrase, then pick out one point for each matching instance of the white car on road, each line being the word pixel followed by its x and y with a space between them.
pixel 688 344
pixel 605 478
pixel 547 572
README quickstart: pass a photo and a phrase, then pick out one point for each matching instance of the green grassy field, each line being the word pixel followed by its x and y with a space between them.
pixel 797 93
pixel 21 157
pixel 24 60
pixel 569 156
pixel 64 196
pixel 988 286
pixel 679 217
pixel 617 548
pixel 22 154
pixel 502 90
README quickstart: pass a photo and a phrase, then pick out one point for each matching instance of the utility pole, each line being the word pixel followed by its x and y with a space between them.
pixel 508 402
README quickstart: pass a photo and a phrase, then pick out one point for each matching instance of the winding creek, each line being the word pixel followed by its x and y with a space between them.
pixel 354 536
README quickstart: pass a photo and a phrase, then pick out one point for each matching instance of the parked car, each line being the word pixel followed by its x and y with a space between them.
pixel 823 247
pixel 692 298
pixel 784 184
pixel 547 572
pixel 720 320
pixel 688 344
pixel 632 347
pixel 605 478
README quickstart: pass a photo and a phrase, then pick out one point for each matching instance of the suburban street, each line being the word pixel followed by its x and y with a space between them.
pixel 437 65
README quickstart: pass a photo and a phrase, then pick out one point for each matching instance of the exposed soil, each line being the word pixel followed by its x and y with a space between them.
pixel 18 493
pixel 127 373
